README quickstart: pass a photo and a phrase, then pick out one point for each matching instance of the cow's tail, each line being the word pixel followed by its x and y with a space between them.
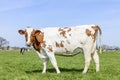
pixel 100 39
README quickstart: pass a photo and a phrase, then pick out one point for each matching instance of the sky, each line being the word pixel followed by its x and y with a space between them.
pixel 18 14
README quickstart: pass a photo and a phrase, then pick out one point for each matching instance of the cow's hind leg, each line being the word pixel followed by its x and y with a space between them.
pixel 96 60
pixel 87 56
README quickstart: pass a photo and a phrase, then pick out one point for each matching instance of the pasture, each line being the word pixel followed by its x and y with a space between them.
pixel 14 66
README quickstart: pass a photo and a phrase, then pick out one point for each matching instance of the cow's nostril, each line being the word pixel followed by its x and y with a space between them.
pixel 28 45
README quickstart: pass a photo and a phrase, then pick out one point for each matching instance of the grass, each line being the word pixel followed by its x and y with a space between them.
pixel 14 66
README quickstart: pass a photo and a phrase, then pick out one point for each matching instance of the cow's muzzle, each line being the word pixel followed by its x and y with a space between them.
pixel 28 44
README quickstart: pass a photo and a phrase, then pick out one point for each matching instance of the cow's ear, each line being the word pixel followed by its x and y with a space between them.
pixel 39 36
pixel 37 32
pixel 21 32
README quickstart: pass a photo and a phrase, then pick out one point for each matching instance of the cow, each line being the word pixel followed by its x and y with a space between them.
pixel 22 50
pixel 64 40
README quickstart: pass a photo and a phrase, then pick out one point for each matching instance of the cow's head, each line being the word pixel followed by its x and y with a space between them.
pixel 32 36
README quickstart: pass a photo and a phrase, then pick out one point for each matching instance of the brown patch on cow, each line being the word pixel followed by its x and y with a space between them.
pixel 59 44
pixel 22 32
pixel 38 39
pixel 37 46
pixel 88 32
pixel 39 36
pixel 96 28
pixel 50 48
pixel 69 29
pixel 62 32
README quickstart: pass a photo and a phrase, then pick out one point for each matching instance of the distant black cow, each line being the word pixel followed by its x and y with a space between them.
pixel 22 50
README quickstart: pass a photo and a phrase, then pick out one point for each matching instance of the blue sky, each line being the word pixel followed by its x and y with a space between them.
pixel 17 14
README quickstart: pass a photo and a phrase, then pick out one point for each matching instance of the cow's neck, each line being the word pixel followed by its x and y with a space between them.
pixel 37 46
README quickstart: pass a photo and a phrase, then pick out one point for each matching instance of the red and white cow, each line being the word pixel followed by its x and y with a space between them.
pixel 50 41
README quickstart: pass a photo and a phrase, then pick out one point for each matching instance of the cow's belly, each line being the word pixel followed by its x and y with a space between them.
pixel 68 52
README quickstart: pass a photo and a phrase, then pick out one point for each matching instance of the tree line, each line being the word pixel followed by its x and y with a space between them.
pixel 3 43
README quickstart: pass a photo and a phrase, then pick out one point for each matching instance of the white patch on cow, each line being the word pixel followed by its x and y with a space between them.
pixel 29 31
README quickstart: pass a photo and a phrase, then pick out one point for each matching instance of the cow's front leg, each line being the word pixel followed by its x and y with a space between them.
pixel 45 61
pixel 53 61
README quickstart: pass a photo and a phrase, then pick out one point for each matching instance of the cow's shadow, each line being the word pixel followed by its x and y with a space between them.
pixel 52 70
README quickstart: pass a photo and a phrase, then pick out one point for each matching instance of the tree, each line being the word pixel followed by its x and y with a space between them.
pixel 3 42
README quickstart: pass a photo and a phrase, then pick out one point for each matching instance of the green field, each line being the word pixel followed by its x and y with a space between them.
pixel 14 66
